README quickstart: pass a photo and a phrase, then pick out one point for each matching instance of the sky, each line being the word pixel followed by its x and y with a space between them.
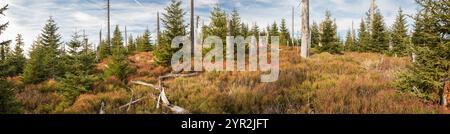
pixel 27 17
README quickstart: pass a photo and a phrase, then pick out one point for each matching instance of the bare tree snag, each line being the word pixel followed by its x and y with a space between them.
pixel 372 14
pixel 293 27
pixel 445 93
pixel 158 32
pixel 102 108
pixel 306 33
pixel 162 96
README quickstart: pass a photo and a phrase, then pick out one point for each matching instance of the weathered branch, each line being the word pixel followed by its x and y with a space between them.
pixel 132 102
pixel 146 84
pixel 177 75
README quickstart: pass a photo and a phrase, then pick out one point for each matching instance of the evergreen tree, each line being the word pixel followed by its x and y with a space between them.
pixel 349 42
pixel 4 45
pixel 118 67
pixel 236 23
pixel 15 61
pixel 315 35
pixel 80 70
pixel 144 44
pixel 363 37
pixel 399 34
pixel 174 26
pixel 45 56
pixel 117 40
pixel 74 44
pixel 274 30
pixel 8 104
pixel 432 48
pixel 379 42
pixel 284 34
pixel 218 25
pixel 131 45
pixel 104 49
pixel 245 31
pixel 255 31
pixel 35 70
pixel 328 38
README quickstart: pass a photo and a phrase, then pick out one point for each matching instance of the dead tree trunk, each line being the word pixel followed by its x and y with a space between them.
pixel 306 34
pixel 293 27
pixel 109 22
pixel 445 93
pixel 158 32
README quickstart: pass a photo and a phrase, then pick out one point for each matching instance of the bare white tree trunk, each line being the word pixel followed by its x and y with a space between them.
pixel 372 14
pixel 158 32
pixel 306 34
pixel 293 27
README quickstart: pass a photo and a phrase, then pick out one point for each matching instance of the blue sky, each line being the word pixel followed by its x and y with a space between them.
pixel 27 17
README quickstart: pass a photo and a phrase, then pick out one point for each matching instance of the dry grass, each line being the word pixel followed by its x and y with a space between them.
pixel 352 83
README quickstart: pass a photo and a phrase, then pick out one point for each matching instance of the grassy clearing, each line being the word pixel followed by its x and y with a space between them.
pixel 352 83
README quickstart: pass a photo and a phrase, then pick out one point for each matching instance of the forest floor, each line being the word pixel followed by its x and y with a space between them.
pixel 351 83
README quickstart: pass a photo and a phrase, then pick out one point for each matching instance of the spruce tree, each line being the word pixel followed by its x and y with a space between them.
pixel 349 42
pixel 274 31
pixel 284 34
pixel 8 104
pixel 255 31
pixel 328 38
pixel 131 45
pixel 399 34
pixel 45 56
pixel 315 35
pixel 379 42
pixel 117 40
pixel 144 44
pixel 74 44
pixel 4 45
pixel 363 37
pixel 218 25
pixel 174 26
pixel 432 47
pixel 236 23
pixel 245 31
pixel 104 49
pixel 80 70
pixel 15 61
pixel 118 67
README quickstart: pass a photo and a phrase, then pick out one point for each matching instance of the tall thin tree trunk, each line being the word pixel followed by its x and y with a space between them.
pixel 126 37
pixel 192 27
pixel 293 26
pixel 109 22
pixel 372 14
pixel 306 33
pixel 158 32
